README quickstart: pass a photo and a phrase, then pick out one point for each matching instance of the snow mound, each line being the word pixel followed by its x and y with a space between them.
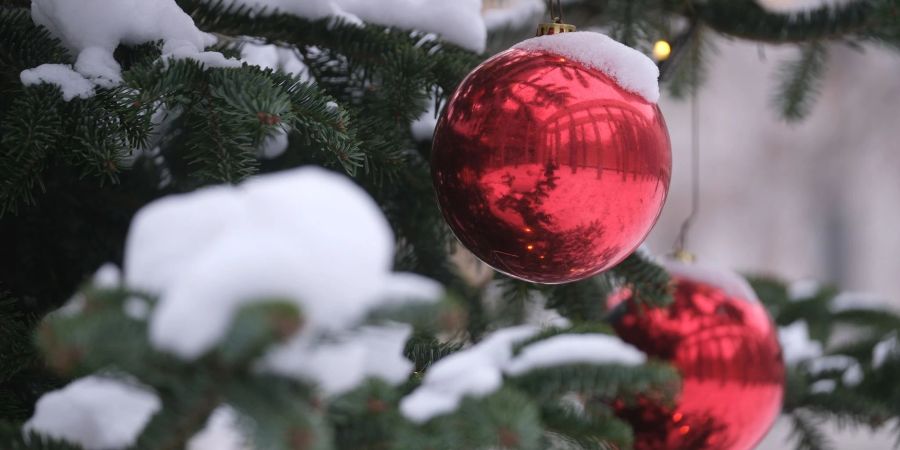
pixel 307 236
pixel 887 348
pixel 459 21
pixel 340 366
pixel 633 70
pixel 575 349
pixel 92 29
pixel 799 6
pixel 71 83
pixel 222 432
pixel 94 412
pixel 478 371
pixel 474 372
pixel 796 344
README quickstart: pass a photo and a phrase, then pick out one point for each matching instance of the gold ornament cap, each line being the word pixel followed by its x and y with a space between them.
pixel 554 28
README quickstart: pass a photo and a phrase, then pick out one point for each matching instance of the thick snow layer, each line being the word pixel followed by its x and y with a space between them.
pixel 885 349
pixel 796 344
pixel 474 372
pixel 71 83
pixel 307 236
pixel 633 70
pixel 92 29
pixel 516 14
pixel 730 282
pixel 340 366
pixel 575 349
pixel 222 432
pixel 459 21
pixel 94 412
pixel 798 6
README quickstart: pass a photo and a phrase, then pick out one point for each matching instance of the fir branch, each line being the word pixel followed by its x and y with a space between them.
pixel 807 434
pixel 649 282
pixel 746 19
pixel 801 81
pixel 608 381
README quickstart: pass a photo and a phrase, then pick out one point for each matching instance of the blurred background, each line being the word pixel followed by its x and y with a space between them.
pixel 812 200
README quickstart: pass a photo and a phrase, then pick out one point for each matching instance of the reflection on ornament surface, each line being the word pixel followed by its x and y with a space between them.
pixel 725 347
pixel 547 169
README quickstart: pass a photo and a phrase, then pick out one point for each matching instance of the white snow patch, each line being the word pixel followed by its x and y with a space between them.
pixel 222 432
pixel 108 276
pixel 71 83
pixel 176 50
pixel 94 412
pixel 275 144
pixel 514 14
pixel 92 29
pixel 136 308
pixel 823 387
pixel 634 71
pixel 473 372
pixel 423 128
pixel 853 376
pixel 340 366
pixel 297 236
pixel 459 21
pixel 803 289
pixel 575 349
pixel 270 56
pixel 799 6
pixel 831 363
pixel 857 300
pixel 796 344
pixel 887 348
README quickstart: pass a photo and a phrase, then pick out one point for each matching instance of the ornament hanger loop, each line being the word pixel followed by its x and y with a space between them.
pixel 681 242
pixel 556 26
pixel 557 16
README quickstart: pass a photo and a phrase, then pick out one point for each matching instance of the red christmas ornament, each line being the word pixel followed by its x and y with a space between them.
pixel 723 343
pixel 547 169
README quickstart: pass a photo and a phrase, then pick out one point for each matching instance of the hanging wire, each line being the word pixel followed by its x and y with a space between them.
pixel 681 241
pixel 558 16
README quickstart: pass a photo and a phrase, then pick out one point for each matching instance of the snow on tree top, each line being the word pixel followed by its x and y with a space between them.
pixel 631 69
pixel 458 21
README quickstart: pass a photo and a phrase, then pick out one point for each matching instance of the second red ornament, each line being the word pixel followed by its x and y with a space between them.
pixel 725 347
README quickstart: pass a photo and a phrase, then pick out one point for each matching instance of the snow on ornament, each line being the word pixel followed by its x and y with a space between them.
pixel 552 160
pixel 725 347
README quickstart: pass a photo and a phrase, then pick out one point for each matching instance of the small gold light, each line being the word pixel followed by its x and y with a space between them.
pixel 661 50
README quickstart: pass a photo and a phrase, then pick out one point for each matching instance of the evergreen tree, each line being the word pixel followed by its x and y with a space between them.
pixel 79 158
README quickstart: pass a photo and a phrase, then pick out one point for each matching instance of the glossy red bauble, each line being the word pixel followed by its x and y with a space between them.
pixel 546 169
pixel 723 343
